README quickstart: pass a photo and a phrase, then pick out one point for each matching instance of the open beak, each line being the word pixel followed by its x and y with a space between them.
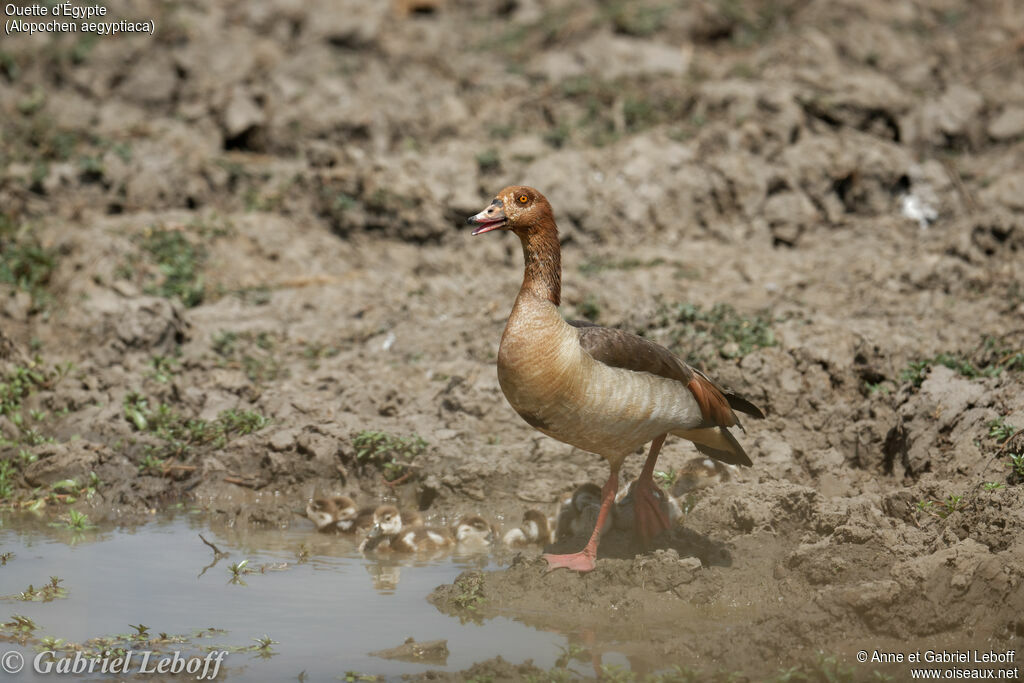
pixel 491 218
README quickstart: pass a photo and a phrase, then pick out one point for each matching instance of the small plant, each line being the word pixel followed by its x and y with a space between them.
pixel 616 674
pixel 355 677
pixel 141 631
pixel 471 590
pixel 242 421
pixel 951 505
pixel 252 352
pixel 879 388
pixel 27 265
pixel 1017 464
pixel 50 644
pixel 569 653
pixel 666 478
pixel 18 383
pixel 179 434
pixel 999 430
pixel 47 593
pixel 163 368
pixel 68 490
pixel 33 437
pixel 392 454
pixel 992 486
pixel 73 520
pixel 26 457
pixel 20 624
pixel 150 464
pixel 719 331
pixel 915 372
pixel 941 509
pixel 78 521
pixel 7 474
pixel 265 642
pixel 223 342
pixel 990 359
pixel 179 262
pixel 238 570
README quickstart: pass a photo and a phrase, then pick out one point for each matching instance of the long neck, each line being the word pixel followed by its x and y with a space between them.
pixel 542 254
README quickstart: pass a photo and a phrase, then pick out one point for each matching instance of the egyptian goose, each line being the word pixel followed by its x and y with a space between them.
pixel 534 530
pixel 390 534
pixel 338 514
pixel 474 530
pixel 578 513
pixel 599 389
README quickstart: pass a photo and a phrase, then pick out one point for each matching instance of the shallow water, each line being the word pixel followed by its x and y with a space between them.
pixel 326 612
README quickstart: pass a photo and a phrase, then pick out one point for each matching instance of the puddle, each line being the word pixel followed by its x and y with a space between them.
pixel 326 613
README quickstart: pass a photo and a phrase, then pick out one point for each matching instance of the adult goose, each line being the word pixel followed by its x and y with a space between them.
pixel 599 389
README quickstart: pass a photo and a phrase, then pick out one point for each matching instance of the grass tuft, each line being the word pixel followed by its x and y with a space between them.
pixel 27 265
pixel 719 331
pixel 471 590
pixel 180 263
pixel 391 454
pixel 990 359
pixel 178 434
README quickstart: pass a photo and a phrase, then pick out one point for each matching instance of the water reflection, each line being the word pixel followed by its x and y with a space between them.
pixel 297 582
pixel 385 576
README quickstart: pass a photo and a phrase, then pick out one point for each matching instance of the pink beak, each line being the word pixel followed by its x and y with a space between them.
pixel 491 218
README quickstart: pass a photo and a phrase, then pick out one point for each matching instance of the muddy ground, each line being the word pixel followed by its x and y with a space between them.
pixel 235 249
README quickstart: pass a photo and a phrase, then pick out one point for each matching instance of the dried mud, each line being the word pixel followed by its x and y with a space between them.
pixel 311 166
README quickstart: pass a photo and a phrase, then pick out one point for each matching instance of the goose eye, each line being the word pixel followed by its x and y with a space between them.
pixel 523 199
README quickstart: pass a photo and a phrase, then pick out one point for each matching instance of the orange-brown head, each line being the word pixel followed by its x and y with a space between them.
pixel 526 212
pixel 518 208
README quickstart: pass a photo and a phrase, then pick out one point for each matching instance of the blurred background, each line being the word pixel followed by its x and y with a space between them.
pixel 738 119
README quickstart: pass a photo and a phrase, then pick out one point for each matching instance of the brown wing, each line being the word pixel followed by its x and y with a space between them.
pixel 621 349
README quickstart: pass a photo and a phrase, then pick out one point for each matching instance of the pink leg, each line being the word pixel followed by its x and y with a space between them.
pixel 584 560
pixel 649 517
